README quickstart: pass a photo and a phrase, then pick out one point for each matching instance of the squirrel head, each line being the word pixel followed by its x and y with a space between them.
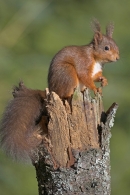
pixel 104 47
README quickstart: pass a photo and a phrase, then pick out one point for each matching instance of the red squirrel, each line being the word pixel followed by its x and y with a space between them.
pixel 22 124
pixel 81 66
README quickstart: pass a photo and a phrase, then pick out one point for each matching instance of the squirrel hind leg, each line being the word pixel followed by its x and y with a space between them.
pixel 64 84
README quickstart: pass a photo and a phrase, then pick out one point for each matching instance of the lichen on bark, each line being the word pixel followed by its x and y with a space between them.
pixel 74 157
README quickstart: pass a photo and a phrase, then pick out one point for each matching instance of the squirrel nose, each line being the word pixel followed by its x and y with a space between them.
pixel 117 57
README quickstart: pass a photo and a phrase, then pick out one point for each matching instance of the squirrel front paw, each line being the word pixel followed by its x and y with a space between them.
pixel 103 81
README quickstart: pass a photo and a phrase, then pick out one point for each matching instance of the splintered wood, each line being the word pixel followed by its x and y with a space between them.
pixel 73 127
pixel 74 157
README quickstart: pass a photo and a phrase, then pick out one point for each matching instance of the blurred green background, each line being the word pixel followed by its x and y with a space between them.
pixel 31 32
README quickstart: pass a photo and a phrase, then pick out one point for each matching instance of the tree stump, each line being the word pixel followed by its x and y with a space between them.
pixel 74 157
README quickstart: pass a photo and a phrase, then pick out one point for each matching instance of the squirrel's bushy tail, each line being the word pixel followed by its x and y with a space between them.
pixel 20 123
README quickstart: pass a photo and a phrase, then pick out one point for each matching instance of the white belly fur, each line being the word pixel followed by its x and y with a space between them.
pixel 97 68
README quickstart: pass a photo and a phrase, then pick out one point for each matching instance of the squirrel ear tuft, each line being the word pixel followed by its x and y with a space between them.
pixel 110 29
pixel 95 25
pixel 97 38
pixel 97 30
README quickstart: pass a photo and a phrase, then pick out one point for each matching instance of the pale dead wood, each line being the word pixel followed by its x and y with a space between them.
pixel 75 155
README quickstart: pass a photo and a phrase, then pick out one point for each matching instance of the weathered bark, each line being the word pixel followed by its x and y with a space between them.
pixel 74 157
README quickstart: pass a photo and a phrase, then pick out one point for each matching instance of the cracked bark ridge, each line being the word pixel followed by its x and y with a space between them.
pixel 74 157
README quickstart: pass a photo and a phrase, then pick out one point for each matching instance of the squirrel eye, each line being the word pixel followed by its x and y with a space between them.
pixel 107 48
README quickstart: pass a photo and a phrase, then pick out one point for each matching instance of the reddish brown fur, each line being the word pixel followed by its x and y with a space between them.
pixel 22 123
pixel 74 65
